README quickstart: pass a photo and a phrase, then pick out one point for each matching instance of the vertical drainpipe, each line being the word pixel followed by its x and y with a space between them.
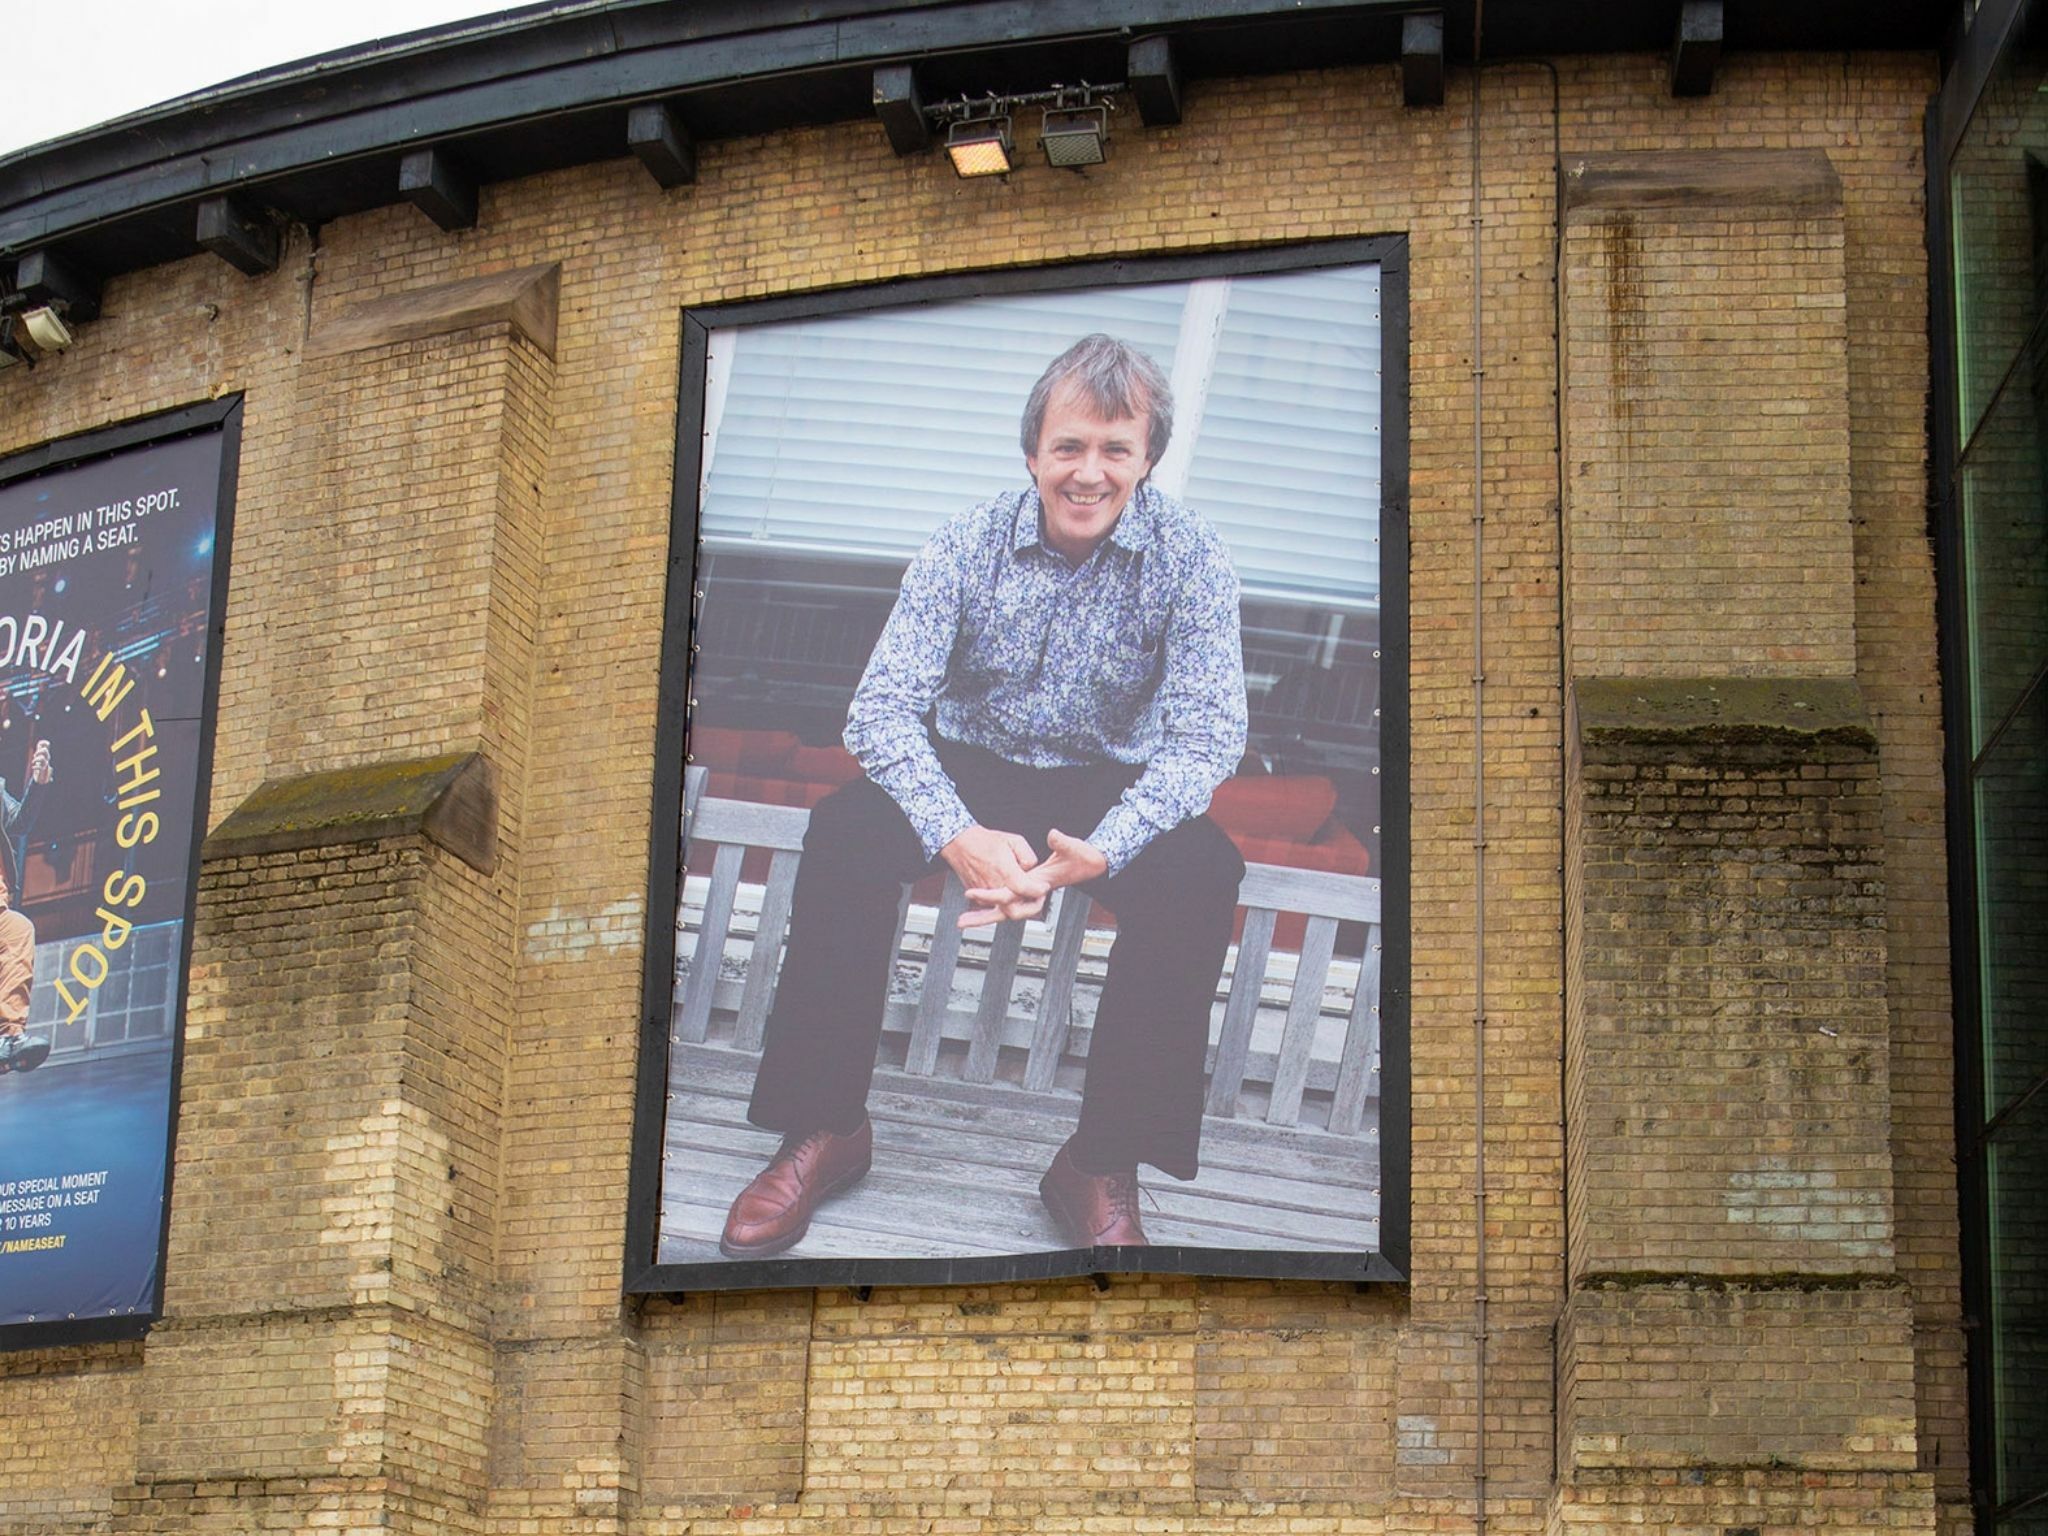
pixel 1478 808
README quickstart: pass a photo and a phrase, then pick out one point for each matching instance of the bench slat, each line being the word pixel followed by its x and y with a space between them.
pixel 1355 898
pixel 754 826
pixel 765 958
pixel 899 933
pixel 1004 948
pixel 922 1056
pixel 718 831
pixel 1358 1074
pixel 725 883
pixel 956 1027
pixel 1241 1011
pixel 694 780
pixel 1049 1040
pixel 1318 942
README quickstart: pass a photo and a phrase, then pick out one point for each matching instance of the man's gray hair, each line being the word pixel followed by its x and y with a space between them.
pixel 1115 379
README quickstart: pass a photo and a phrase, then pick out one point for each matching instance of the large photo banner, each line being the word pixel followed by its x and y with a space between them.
pixel 1038 874
pixel 108 605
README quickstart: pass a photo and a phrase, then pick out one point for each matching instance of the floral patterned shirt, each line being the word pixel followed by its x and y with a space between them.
pixel 1132 656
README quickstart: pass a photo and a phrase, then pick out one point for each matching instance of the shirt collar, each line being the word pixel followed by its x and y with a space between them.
pixel 1133 530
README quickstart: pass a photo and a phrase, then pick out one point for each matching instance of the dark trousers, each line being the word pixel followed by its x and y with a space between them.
pixel 1173 906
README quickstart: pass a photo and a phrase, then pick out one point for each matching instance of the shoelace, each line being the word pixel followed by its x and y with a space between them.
pixel 793 1146
pixel 1123 1194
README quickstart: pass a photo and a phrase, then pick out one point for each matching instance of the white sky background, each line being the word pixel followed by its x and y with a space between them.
pixel 114 57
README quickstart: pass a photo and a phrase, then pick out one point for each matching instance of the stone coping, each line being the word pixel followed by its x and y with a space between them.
pixel 450 799
pixel 526 299
pixel 1724 711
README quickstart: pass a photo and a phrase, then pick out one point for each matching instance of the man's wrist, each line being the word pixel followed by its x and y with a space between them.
pixel 1115 838
pixel 940 832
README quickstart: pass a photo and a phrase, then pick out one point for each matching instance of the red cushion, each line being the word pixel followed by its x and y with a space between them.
pixel 743 751
pixel 802 793
pixel 724 784
pixel 1289 806
pixel 829 766
pixel 1336 851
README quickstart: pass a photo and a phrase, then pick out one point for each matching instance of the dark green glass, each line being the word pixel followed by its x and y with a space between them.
pixel 1998 182
pixel 2018 1175
pixel 2012 876
pixel 2005 544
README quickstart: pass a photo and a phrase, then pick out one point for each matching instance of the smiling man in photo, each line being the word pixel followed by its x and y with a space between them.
pixel 1056 695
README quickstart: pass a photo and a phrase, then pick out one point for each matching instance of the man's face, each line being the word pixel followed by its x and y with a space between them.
pixel 1086 469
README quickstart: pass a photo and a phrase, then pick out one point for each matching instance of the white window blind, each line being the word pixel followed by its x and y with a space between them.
pixel 861 433
pixel 1287 463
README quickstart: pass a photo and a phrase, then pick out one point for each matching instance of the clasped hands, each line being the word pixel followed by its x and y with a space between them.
pixel 1006 879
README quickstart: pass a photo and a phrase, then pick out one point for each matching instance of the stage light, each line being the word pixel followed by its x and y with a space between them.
pixel 980 147
pixel 1073 127
pixel 1075 137
pixel 46 329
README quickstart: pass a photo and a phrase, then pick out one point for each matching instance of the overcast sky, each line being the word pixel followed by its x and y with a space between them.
pixel 108 58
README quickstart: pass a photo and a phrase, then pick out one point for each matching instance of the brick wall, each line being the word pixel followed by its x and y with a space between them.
pixel 1707 415
pixel 385 1347
pixel 1728 1067
pixel 1815 1377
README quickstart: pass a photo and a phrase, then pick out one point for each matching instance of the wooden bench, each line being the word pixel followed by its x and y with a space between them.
pixel 1296 1044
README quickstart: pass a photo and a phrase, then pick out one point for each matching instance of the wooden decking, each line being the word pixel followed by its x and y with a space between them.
pixel 984 1055
pixel 957 1167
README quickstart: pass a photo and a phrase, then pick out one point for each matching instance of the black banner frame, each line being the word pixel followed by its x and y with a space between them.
pixel 642 1274
pixel 223 415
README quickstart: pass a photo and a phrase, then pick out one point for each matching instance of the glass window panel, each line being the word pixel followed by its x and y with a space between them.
pixel 824 435
pixel 827 439
pixel 1998 182
pixel 2018 1174
pixel 109 1026
pixel 1281 466
pixel 2005 544
pixel 2012 874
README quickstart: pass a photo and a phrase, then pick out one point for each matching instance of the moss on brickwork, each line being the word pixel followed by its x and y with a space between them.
pixel 1722 711
pixel 338 805
pixel 447 798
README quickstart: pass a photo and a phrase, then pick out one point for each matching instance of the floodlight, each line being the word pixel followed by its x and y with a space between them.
pixel 980 147
pixel 1075 137
pixel 46 330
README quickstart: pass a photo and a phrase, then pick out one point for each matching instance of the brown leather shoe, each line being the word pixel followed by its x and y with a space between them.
pixel 1093 1210
pixel 774 1212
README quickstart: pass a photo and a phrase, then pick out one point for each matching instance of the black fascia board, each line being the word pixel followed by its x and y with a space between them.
pixel 619 54
pixel 540 88
pixel 242 139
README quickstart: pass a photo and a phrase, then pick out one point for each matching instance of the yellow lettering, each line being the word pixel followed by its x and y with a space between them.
pixel 77 970
pixel 74 1006
pixel 138 775
pixel 123 889
pixel 114 929
pixel 104 689
pixel 134 829
pixel 145 728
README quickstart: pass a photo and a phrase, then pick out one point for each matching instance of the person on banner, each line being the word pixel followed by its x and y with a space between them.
pixel 1057 693
pixel 19 1050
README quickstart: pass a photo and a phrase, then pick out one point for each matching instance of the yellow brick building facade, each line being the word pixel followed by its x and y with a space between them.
pixel 393 1287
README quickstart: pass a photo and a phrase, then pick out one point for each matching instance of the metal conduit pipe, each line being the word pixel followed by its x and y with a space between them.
pixel 1478 223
